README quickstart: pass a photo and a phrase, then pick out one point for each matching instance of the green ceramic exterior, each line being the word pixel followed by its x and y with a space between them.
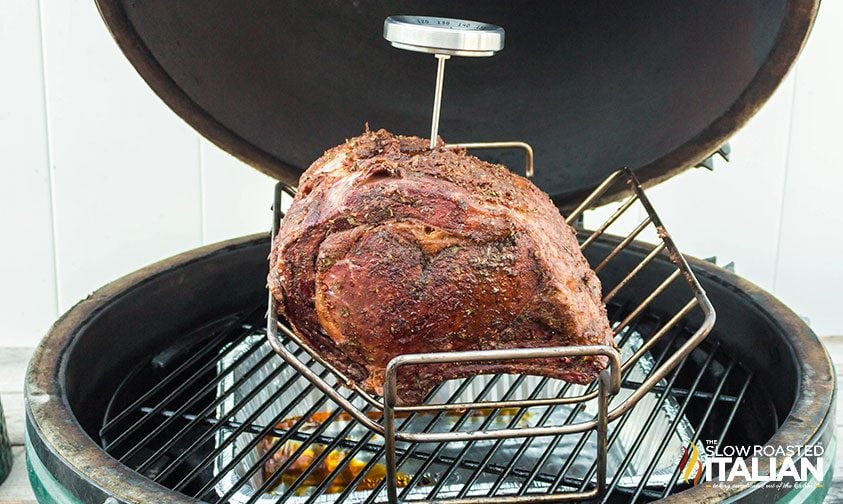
pixel 46 488
pixel 815 491
pixel 5 448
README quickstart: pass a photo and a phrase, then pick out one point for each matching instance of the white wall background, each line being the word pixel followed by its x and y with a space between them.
pixel 98 177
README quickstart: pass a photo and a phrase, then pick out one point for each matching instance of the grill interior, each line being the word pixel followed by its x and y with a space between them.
pixel 204 416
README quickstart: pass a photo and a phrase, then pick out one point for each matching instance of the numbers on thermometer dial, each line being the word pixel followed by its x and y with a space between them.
pixel 454 24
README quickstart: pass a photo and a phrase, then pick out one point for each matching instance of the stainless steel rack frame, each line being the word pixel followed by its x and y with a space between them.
pixel 608 381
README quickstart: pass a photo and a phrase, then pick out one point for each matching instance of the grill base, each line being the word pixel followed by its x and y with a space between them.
pixel 763 336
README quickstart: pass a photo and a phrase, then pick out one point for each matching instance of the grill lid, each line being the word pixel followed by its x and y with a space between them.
pixel 592 86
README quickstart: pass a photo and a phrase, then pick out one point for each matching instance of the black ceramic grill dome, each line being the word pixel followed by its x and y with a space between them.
pixel 591 85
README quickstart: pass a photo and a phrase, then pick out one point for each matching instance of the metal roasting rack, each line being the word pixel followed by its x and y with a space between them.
pixel 608 383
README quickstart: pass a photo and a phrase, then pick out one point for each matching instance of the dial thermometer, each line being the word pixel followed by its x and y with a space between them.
pixel 442 37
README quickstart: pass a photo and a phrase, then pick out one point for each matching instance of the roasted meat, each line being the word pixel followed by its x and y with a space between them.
pixel 391 248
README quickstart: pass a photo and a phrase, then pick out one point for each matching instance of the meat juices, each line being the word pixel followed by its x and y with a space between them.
pixel 392 248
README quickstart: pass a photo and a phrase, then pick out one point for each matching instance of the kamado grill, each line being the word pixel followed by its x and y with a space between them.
pixel 172 385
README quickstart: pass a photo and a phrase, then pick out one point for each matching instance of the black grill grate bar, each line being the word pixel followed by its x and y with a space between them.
pixel 260 434
pixel 674 424
pixel 682 392
pixel 194 399
pixel 355 448
pixel 244 427
pixel 728 423
pixel 584 437
pixel 259 464
pixel 408 453
pixel 265 431
pixel 458 460
pixel 490 384
pixel 226 422
pixel 162 405
pixel 484 462
pixel 698 431
pixel 210 409
pixel 276 476
pixel 627 333
pixel 220 335
pixel 318 460
pixel 411 450
pixel 639 440
pixel 509 470
pixel 617 428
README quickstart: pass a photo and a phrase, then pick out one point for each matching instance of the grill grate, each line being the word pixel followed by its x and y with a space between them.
pixel 199 429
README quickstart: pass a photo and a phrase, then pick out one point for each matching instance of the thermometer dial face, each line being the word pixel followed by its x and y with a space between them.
pixel 456 37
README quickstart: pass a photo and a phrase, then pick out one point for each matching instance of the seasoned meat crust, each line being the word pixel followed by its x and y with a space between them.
pixel 392 248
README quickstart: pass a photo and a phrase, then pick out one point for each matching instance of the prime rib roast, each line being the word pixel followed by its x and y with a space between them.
pixel 391 247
